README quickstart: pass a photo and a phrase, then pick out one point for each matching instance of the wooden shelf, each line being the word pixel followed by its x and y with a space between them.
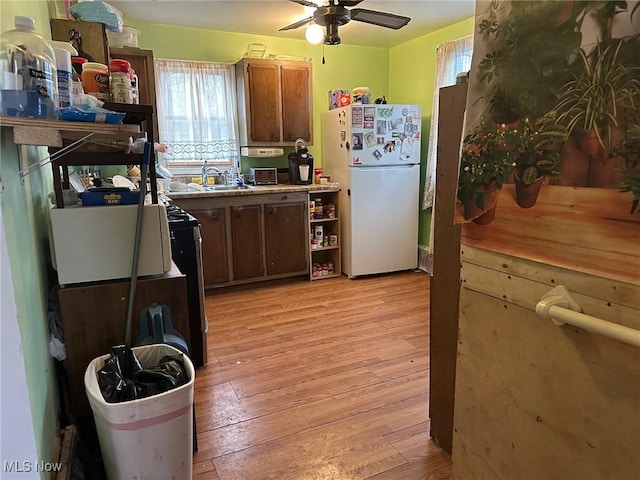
pixel 321 220
pixel 585 229
pixel 327 254
pixel 53 133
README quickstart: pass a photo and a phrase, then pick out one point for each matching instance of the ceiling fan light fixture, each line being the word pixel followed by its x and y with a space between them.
pixel 314 34
pixel 332 37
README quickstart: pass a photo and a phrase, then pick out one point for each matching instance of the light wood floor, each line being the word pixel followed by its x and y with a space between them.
pixel 323 380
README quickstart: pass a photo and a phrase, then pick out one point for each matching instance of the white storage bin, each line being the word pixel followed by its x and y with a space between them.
pixel 128 38
pixel 149 438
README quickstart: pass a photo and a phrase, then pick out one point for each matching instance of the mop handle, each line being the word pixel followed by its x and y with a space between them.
pixel 136 245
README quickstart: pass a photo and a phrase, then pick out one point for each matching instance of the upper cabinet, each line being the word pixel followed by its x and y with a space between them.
pixel 274 102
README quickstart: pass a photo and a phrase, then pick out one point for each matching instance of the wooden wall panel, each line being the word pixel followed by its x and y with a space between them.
pixel 538 401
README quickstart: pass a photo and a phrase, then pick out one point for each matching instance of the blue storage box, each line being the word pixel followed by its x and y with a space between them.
pixel 109 196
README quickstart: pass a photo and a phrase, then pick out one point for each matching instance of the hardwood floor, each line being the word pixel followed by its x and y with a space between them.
pixel 323 380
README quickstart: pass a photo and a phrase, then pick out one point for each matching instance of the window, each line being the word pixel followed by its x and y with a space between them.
pixel 451 58
pixel 197 117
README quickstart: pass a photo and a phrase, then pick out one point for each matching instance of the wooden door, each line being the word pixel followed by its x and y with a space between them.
pixel 296 102
pixel 215 263
pixel 285 238
pixel 265 123
pixel 246 242
pixel 445 284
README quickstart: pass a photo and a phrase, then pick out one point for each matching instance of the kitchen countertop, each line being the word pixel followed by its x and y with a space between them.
pixel 256 190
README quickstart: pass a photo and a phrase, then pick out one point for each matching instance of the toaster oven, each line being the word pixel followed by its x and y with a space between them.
pixel 263 176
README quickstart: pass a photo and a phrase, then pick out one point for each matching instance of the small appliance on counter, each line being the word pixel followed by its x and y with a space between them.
pixel 301 164
pixel 263 176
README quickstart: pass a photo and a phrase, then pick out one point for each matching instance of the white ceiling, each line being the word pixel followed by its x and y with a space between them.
pixel 265 17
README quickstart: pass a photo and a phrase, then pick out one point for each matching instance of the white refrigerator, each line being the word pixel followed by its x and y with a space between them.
pixel 373 151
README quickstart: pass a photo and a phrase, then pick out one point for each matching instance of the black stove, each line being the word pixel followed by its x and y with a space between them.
pixel 186 253
pixel 177 217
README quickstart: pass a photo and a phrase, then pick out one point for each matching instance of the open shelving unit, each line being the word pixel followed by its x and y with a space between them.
pixel 325 255
pixel 70 143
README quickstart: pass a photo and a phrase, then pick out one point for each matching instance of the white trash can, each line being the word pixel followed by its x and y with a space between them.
pixel 149 438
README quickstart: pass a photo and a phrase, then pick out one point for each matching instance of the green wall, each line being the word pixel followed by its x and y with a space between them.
pixel 345 66
pixel 25 211
pixel 412 68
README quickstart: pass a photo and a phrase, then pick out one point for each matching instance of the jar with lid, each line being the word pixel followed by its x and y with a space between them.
pixel 28 74
pixel 95 80
pixel 317 173
pixel 120 81
pixel 318 211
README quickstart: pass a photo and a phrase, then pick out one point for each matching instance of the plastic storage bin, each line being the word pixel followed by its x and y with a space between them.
pixel 128 38
pixel 149 438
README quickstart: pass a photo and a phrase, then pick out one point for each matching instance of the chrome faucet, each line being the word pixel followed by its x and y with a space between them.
pixel 205 173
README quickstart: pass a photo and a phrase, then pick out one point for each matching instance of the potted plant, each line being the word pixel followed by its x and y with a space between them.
pixel 590 102
pixel 629 149
pixel 485 164
pixel 529 59
pixel 536 155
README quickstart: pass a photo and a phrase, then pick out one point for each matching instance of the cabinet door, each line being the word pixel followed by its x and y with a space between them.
pixel 264 98
pixel 286 239
pixel 142 62
pixel 296 102
pixel 215 262
pixel 246 242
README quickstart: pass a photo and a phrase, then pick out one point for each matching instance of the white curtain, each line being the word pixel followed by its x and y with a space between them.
pixel 451 58
pixel 197 116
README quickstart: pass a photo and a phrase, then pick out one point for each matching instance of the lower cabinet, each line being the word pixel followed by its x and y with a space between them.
pixel 251 238
pixel 213 229
pixel 285 237
pixel 246 241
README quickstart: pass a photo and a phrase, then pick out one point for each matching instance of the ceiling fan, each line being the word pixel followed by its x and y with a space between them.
pixel 336 13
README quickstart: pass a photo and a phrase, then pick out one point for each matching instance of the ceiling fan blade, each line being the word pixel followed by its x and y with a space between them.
pixel 297 24
pixel 381 19
pixel 306 3
pixel 349 3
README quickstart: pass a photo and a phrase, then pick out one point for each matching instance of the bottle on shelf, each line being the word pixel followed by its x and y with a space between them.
pixel 28 74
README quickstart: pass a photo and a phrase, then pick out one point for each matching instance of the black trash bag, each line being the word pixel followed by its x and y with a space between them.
pixel 167 375
pixel 114 378
pixel 122 378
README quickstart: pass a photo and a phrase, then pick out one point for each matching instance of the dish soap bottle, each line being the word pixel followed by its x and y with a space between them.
pixel 28 76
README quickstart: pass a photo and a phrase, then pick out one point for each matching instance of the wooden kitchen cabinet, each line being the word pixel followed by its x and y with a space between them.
pixel 251 238
pixel 213 229
pixel 274 102
pixel 142 62
pixel 285 237
pixel 246 241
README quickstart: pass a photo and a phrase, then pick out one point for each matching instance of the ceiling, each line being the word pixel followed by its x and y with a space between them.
pixel 265 17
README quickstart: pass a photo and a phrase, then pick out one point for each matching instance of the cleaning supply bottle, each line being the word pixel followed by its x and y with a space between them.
pixel 28 75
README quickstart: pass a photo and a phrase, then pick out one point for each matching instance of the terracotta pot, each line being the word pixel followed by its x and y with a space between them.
pixel 527 195
pixel 487 217
pixel 591 145
pixel 473 212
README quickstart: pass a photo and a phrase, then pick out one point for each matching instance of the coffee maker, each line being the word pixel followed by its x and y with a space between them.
pixel 301 164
